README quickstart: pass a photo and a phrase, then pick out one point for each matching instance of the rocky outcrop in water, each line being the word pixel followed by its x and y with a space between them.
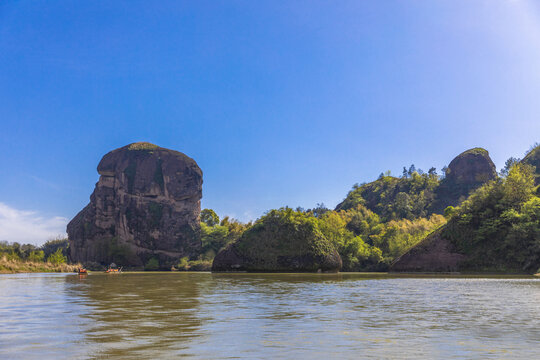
pixel 146 205
pixel 280 241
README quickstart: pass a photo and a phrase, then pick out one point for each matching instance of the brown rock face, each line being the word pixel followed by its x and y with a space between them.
pixel 433 254
pixel 467 172
pixel 471 167
pixel 146 205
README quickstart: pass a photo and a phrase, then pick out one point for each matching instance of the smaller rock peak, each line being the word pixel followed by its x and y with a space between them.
pixel 473 166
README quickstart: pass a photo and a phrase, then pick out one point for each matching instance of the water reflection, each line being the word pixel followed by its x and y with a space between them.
pixel 135 315
pixel 202 315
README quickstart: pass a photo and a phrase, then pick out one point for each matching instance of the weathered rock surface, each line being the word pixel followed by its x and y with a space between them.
pixel 472 167
pixel 466 172
pixel 145 205
pixel 433 254
pixel 278 243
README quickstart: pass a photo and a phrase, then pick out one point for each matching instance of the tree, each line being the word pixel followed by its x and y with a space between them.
pixel 449 212
pixel 402 204
pixel 412 169
pixel 508 165
pixel 209 217
pixel 152 264
pixel 57 257
pixel 444 171
pixel 320 210
pixel 519 185
pixel 36 256
pixel 51 246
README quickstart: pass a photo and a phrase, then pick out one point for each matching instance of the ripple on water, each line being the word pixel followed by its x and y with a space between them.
pixel 202 315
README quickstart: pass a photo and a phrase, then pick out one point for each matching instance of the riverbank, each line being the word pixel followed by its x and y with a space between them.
pixel 20 266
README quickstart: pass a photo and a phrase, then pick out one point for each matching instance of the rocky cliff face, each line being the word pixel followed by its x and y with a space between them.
pixel 145 205
pixel 467 172
pixel 434 254
pixel 471 167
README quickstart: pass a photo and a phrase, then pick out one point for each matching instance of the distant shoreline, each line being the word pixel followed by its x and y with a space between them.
pixel 67 269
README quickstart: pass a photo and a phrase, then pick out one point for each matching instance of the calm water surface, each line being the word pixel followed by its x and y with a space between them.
pixel 208 316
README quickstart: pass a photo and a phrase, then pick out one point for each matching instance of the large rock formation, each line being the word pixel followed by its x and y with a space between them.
pixel 467 172
pixel 281 241
pixel 497 231
pixel 146 205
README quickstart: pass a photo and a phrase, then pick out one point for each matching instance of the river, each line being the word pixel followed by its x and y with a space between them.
pixel 253 316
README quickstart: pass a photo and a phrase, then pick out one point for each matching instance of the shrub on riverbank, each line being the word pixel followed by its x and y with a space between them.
pixel 194 265
pixel 50 257
pixel 10 266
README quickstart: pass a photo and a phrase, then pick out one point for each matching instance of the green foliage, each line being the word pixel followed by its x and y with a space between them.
pixel 408 197
pixel 55 251
pixel 449 212
pixel 216 237
pixel 57 257
pixel 498 226
pixel 398 236
pixel 476 151
pixel 195 265
pixel 283 239
pixel 365 243
pixel 209 217
pixel 142 146
pixel 343 230
pixel 183 264
pixel 36 256
pixel 508 165
pixel 51 246
pixel 152 265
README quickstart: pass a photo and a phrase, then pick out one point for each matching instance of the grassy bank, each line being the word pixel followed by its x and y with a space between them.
pixel 8 266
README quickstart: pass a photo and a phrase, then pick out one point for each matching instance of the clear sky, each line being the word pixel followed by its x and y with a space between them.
pixel 279 102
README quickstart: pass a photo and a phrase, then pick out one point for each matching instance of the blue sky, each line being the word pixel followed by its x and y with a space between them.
pixel 279 102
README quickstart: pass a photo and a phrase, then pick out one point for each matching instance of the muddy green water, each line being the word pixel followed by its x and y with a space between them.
pixel 292 316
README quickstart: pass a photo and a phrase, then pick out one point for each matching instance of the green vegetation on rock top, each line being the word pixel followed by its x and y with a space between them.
pixel 476 151
pixel 142 146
